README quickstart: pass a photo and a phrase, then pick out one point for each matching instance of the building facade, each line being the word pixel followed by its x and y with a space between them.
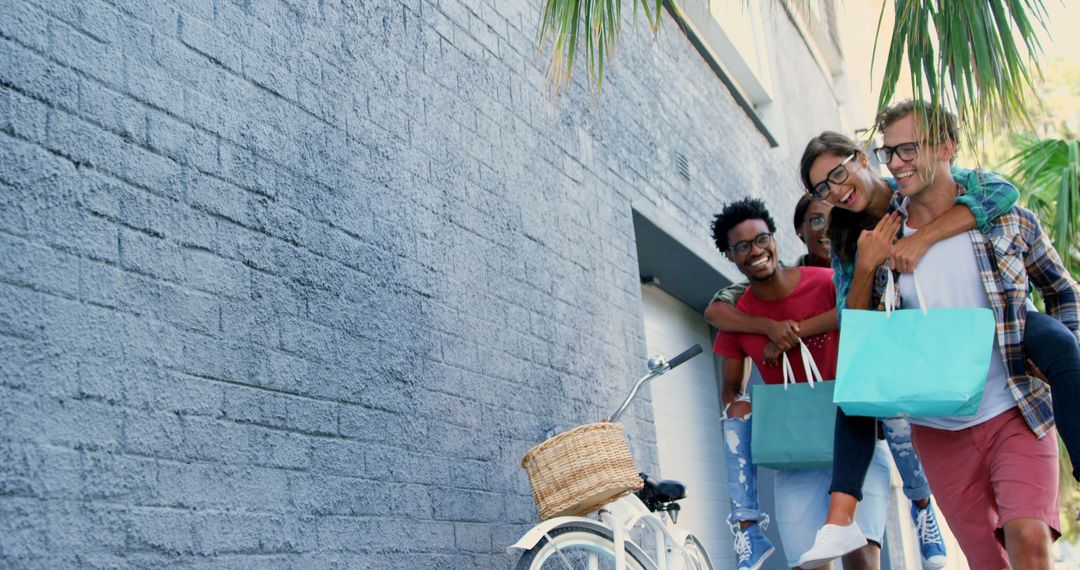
pixel 297 283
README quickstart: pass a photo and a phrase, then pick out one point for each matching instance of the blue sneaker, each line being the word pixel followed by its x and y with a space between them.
pixel 752 547
pixel 931 544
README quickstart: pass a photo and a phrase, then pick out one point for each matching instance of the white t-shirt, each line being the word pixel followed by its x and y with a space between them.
pixel 949 276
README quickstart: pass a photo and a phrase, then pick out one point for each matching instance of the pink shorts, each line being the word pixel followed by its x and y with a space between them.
pixel 987 475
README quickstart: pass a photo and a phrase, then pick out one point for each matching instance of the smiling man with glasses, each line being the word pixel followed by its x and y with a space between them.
pixel 906 151
pixel 810 223
pixel 801 301
pixel 743 248
pixel 995 473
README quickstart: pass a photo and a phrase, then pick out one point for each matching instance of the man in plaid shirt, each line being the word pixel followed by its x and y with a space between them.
pixel 995 474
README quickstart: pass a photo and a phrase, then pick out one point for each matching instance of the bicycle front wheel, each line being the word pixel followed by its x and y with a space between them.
pixel 575 548
pixel 695 556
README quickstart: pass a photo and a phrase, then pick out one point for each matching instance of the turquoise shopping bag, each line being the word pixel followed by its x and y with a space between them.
pixel 793 422
pixel 915 362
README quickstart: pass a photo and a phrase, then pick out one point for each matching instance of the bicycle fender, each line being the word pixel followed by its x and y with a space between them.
pixel 679 535
pixel 536 533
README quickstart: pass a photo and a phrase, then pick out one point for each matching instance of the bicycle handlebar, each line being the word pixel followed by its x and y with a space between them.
pixel 660 368
pixel 686 355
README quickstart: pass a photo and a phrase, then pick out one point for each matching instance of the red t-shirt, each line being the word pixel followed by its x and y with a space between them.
pixel 814 295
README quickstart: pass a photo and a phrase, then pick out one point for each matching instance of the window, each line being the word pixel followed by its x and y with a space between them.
pixel 730 36
pixel 816 22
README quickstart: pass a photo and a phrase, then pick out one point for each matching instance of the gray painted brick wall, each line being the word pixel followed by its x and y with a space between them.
pixel 296 283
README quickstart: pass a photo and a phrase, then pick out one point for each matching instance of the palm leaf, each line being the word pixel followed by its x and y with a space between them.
pixel 974 56
pixel 565 23
pixel 1047 172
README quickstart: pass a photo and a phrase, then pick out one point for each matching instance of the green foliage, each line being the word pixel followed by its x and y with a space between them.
pixel 563 22
pixel 974 56
pixel 1047 172
pixel 1054 115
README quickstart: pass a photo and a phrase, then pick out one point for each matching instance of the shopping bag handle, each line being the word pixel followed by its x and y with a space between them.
pixel 809 367
pixel 892 301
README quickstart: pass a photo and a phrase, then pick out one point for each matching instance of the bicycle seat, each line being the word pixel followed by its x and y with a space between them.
pixel 661 490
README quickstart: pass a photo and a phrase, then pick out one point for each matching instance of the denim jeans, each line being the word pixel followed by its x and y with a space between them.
pixel 1053 348
pixel 741 471
pixel 853 448
pixel 898 435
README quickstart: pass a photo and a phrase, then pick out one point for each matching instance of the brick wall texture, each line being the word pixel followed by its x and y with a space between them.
pixel 292 283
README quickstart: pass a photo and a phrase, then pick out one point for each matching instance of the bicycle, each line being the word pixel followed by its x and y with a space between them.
pixel 580 542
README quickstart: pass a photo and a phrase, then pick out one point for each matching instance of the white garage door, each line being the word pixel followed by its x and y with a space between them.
pixel 686 405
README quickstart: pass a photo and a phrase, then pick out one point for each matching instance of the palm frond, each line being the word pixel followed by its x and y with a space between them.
pixel 595 25
pixel 1047 172
pixel 977 57
pixel 565 23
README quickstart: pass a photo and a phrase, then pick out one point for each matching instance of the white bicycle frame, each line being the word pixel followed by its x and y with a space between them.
pixel 617 519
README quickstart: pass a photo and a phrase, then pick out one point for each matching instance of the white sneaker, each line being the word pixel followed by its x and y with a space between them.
pixel 832 542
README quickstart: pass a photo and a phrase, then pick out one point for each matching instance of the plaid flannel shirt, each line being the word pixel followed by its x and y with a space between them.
pixel 1013 250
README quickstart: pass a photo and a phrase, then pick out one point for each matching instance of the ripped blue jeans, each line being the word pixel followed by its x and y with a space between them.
pixel 741 471
pixel 853 448
pixel 898 436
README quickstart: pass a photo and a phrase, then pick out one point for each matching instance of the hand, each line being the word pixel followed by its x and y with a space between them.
pixel 875 245
pixel 907 252
pixel 772 354
pixel 785 334
pixel 737 408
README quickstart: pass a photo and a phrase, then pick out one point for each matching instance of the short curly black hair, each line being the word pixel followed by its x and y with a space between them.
pixel 736 213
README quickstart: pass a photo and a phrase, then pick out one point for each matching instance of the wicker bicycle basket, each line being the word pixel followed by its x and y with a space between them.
pixel 578 471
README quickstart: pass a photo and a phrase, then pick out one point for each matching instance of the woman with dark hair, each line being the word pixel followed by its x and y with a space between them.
pixel 862 229
pixel 811 220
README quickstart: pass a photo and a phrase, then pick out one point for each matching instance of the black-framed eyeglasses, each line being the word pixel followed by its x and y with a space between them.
pixel 817 222
pixel 838 175
pixel 741 248
pixel 906 151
